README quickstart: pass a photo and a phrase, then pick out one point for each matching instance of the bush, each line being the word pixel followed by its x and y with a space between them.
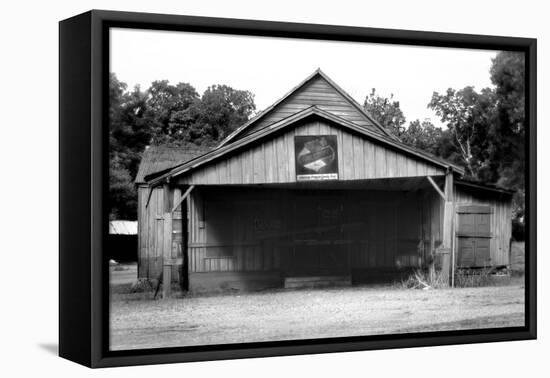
pixel 473 277
pixel 141 285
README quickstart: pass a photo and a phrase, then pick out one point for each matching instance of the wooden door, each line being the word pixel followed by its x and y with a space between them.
pixel 474 236
pixel 474 252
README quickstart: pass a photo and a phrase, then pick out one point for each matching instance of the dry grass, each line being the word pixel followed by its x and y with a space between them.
pixel 424 279
pixel 473 277
pixel 432 279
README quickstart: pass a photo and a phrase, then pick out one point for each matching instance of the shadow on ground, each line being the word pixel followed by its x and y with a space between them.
pixel 51 348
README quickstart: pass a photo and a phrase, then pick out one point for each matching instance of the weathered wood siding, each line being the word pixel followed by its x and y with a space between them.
pixel 317 92
pixel 150 232
pixel 500 220
pixel 222 234
pixel 272 161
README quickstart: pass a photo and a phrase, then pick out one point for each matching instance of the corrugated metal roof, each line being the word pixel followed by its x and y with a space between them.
pixel 158 158
pixel 123 227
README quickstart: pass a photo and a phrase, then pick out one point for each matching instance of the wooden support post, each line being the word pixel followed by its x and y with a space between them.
pixel 167 255
pixel 448 228
pixel 167 243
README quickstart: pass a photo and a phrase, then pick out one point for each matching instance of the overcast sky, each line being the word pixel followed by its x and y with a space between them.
pixel 270 67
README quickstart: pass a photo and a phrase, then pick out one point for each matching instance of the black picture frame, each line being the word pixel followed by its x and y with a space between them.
pixel 83 111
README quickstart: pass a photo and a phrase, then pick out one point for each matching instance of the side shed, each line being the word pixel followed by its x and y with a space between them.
pixel 314 190
pixel 150 205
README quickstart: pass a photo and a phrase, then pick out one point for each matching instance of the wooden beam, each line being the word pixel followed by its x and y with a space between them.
pixel 167 241
pixel 449 186
pixel 167 255
pixel 436 187
pixel 149 197
pixel 447 264
pixel 183 198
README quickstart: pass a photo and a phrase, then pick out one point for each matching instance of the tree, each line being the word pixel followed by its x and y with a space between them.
pixel 164 114
pixel 180 117
pixel 508 75
pixel 223 109
pixel 508 131
pixel 122 193
pixel 386 111
pixel 163 101
pixel 468 115
pixel 128 136
pixel 423 135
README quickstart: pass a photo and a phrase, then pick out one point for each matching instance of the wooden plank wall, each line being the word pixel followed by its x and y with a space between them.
pixel 150 232
pixel 236 230
pixel 317 92
pixel 272 161
pixel 152 235
pixel 222 237
pixel 501 221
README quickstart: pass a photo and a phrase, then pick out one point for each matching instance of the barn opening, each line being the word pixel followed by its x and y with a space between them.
pixel 311 192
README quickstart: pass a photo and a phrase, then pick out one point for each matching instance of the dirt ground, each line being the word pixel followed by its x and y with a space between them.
pixel 123 274
pixel 285 315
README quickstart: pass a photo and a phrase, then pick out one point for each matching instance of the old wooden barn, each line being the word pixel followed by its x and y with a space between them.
pixel 311 191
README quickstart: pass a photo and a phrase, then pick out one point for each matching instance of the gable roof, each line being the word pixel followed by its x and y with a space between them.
pixel 159 158
pixel 288 122
pixel 317 74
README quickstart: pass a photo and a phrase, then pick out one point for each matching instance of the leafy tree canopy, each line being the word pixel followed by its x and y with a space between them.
pixel 468 115
pixel 423 135
pixel 386 111
pixel 164 114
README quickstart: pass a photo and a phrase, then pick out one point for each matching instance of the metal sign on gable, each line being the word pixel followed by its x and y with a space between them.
pixel 316 157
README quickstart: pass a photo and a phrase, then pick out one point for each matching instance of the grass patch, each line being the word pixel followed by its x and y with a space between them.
pixel 473 277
